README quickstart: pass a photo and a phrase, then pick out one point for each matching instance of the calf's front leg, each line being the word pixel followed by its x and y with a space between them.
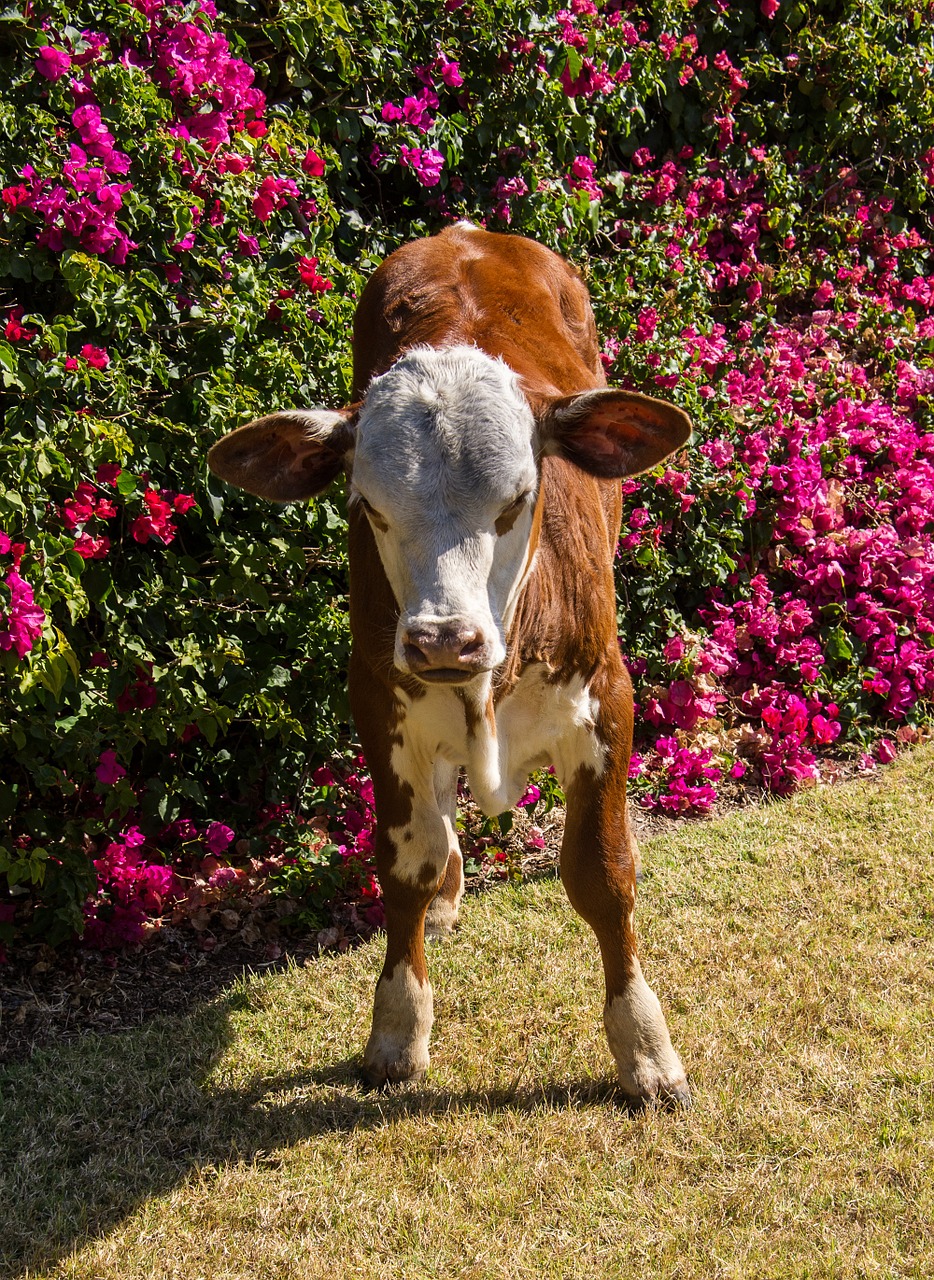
pixel 415 845
pixel 599 860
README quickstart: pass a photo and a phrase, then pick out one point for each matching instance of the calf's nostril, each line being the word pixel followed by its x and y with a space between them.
pixel 414 656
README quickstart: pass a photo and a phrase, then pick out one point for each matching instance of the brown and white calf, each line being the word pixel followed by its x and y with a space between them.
pixel 483 454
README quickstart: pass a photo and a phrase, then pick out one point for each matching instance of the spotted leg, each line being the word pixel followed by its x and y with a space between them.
pixel 412 856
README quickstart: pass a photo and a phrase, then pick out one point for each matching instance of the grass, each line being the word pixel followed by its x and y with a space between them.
pixel 793 949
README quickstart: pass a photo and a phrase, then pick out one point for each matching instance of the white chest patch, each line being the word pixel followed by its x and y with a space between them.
pixel 537 725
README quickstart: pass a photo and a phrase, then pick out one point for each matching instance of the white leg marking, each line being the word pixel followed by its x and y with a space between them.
pixel 441 917
pixel 442 911
pixel 402 1016
pixel 649 1069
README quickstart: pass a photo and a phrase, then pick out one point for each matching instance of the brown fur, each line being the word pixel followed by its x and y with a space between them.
pixel 520 303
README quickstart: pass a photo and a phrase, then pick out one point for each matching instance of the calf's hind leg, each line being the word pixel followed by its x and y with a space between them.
pixel 598 869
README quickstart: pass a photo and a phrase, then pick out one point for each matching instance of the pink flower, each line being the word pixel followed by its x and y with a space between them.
pixel 107 473
pixel 24 619
pixel 272 194
pixel 646 321
pixel 90 548
pixel 313 164
pixel 674 650
pixel 307 269
pixel 218 837
pixel 52 63
pixel 247 245
pixel 769 8
pixel 96 357
pixel 530 797
pixel 886 751
pixel 426 164
pixel 108 771
pixel 450 73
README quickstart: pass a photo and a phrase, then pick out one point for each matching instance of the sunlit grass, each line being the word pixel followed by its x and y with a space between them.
pixel 793 948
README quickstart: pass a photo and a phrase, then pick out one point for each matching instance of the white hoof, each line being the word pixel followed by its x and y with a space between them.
pixel 402 1016
pixel 650 1072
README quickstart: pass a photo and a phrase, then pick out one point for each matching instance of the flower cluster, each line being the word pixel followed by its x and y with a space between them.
pixel 21 619
pixel 132 892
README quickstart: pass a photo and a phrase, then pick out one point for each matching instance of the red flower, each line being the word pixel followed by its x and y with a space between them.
pixel 139 694
pixel 107 473
pixel 91 548
pixel 97 357
pixel 14 330
pixel 155 521
pixel 313 164
pixel 307 269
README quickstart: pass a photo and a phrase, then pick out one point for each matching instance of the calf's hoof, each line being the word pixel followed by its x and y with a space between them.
pixel 650 1071
pixel 397 1049
pixel 651 1094
pixel 440 919
pixel 385 1063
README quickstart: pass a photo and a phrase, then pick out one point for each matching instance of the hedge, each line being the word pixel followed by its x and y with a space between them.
pixel 192 198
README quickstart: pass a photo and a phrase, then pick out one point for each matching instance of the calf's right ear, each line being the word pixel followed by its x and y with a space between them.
pixel 611 433
pixel 286 457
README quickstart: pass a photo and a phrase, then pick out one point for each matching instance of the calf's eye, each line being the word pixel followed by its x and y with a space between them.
pixel 507 518
pixel 374 516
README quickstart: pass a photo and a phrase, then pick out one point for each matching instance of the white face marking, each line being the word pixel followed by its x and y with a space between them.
pixel 445 446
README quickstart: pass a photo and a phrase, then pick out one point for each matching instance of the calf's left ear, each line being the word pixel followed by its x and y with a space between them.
pixel 286 457
pixel 612 434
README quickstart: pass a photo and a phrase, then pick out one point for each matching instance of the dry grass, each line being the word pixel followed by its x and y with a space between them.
pixel 793 947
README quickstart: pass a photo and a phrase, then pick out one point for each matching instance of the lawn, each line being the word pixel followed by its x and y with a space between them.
pixel 792 946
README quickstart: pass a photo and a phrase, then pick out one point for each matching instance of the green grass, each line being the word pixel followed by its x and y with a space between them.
pixel 793 949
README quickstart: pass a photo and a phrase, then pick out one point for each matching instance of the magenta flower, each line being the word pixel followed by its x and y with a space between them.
pixel 108 770
pixel 530 797
pixel 313 165
pixel 96 357
pixel 52 63
pixel 425 164
pixel 218 837
pixel 22 626
pixel 308 270
pixel 91 548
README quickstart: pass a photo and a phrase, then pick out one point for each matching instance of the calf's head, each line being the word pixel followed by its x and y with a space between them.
pixel 443 456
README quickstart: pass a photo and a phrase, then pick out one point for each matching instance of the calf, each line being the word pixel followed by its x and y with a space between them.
pixel 483 453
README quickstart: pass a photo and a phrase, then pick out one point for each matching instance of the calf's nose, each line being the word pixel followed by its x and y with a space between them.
pixel 444 647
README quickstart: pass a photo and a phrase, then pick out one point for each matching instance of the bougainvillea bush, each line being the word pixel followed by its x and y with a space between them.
pixel 191 199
